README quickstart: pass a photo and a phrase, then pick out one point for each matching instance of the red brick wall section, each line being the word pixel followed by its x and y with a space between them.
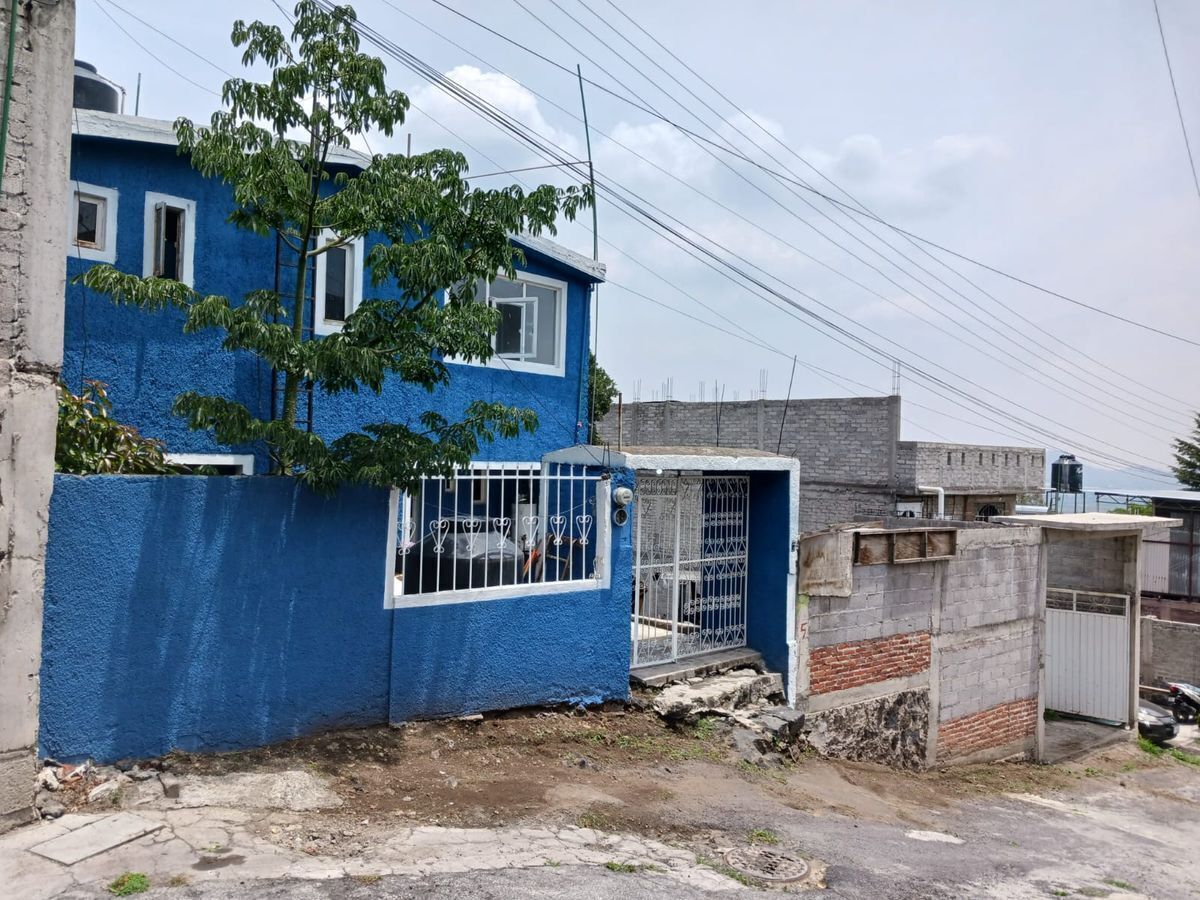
pixel 988 729
pixel 842 666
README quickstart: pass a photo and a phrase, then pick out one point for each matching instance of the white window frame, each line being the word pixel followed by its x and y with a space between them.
pixel 245 460
pixel 558 367
pixel 355 274
pixel 395 598
pixel 188 275
pixel 107 224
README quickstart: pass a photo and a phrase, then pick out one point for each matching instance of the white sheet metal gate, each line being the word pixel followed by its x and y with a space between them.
pixel 1087 654
pixel 690 565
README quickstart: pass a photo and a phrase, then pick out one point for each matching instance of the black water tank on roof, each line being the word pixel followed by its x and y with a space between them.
pixel 1066 475
pixel 93 91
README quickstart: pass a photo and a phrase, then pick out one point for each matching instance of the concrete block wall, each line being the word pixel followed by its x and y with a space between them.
pixel 958 640
pixel 845 441
pixel 981 668
pixel 825 505
pixel 971 468
pixel 1092 564
pixel 1170 651
pixel 33 217
pixel 886 600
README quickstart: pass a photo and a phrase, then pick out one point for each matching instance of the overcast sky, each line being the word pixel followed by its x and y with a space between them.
pixel 1040 137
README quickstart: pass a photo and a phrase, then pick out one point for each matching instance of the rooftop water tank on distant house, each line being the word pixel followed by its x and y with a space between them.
pixel 1066 475
pixel 94 91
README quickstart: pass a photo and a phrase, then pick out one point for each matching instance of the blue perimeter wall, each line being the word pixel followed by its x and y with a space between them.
pixel 497 654
pixel 216 613
pixel 767 576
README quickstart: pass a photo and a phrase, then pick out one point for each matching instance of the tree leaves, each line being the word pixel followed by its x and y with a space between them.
pixel 273 143
pixel 1187 459
pixel 91 442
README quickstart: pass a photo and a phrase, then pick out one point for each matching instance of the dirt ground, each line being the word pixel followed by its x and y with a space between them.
pixel 618 769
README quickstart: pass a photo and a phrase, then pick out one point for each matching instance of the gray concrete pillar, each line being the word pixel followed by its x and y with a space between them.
pixel 33 252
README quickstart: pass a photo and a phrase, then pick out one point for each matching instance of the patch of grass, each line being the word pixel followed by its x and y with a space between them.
pixel 729 872
pixel 1150 747
pixel 1059 892
pixel 1119 884
pixel 631 868
pixel 129 883
pixel 705 728
pixel 1092 772
pixel 1184 757
pixel 595 820
pixel 762 836
pixel 552 863
pixel 1158 750
pixel 367 879
pixel 178 881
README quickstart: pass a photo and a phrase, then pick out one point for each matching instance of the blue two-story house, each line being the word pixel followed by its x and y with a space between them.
pixel 213 612
pixel 140 206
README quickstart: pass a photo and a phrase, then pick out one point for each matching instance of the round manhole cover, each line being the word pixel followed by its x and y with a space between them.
pixel 766 864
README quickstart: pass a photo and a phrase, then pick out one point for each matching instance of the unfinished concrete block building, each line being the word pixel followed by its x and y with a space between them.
pixel 852 461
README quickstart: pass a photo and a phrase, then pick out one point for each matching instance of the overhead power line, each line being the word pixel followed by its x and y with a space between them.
pixel 1019 343
pixel 863 347
pixel 532 140
pixel 860 210
pixel 852 209
pixel 158 59
pixel 1049 358
pixel 1175 93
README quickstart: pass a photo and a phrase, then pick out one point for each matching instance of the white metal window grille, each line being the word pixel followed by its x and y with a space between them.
pixel 496 525
pixel 690 566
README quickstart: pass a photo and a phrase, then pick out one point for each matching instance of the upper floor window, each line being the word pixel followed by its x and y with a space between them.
pixel 339 277
pixel 531 333
pixel 170 238
pixel 94 222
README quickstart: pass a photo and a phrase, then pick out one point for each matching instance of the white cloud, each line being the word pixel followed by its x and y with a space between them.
pixel 498 90
pixel 913 181
pixel 660 145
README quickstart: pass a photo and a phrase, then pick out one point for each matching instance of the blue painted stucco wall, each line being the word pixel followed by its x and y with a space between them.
pixel 209 613
pixel 496 654
pixel 768 563
pixel 216 613
pixel 148 361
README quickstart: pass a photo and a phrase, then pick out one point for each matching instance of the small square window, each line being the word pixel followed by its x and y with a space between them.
pixel 92 228
pixel 89 221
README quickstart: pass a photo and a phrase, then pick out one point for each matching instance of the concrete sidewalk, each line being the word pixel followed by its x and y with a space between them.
pixel 215 844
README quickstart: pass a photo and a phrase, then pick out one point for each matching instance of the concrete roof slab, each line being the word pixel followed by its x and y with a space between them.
pixel 1092 522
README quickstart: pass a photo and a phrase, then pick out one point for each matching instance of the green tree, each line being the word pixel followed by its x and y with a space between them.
pixel 91 442
pixel 601 391
pixel 272 142
pixel 1187 459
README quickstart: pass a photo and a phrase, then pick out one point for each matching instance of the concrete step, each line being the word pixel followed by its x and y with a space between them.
pixel 697 667
pixel 723 692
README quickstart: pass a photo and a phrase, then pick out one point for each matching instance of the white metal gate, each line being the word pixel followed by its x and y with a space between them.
pixel 1087 654
pixel 690 566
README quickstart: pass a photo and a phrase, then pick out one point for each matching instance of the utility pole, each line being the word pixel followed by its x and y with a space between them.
pixel 37 41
